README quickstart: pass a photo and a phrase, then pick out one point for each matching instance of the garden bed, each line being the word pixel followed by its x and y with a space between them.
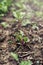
pixel 21 34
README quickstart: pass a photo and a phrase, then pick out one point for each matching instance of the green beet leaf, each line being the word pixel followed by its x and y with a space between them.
pixel 26 62
pixel 15 56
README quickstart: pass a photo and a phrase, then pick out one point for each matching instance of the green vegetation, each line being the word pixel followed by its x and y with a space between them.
pixel 26 62
pixel 20 16
pixel 35 26
pixel 18 11
pixel 10 41
pixel 20 5
pixel 4 4
pixel 26 22
pixel 38 3
pixel 26 39
pixel 15 56
pixel 4 24
pixel 20 36
pixel 39 14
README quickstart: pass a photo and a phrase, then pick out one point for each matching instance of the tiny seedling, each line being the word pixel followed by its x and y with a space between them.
pixel 10 41
pixel 18 11
pixel 25 22
pixel 26 39
pixel 4 24
pixel 23 62
pixel 34 26
pixel 4 5
pixel 15 56
pixel 21 32
pixel 20 36
pixel 26 62
pixel 20 5
pixel 18 14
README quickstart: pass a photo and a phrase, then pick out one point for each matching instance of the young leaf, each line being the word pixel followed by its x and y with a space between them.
pixel 15 56
pixel 4 24
pixel 26 39
pixel 26 62
pixel 21 32
pixel 25 22
pixel 10 41
pixel 4 4
pixel 18 14
pixel 19 37
pixel 35 26
pixel 20 5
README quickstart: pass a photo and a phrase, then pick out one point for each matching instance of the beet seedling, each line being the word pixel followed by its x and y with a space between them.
pixel 4 24
pixel 4 5
pixel 15 56
pixel 25 62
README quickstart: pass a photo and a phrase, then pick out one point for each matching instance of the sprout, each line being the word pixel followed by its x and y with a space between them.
pixel 18 14
pixel 15 56
pixel 26 22
pixel 4 24
pixel 34 26
pixel 21 32
pixel 26 62
pixel 4 4
pixel 26 39
pixel 10 41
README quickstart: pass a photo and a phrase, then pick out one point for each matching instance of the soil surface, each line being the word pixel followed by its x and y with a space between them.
pixel 32 50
